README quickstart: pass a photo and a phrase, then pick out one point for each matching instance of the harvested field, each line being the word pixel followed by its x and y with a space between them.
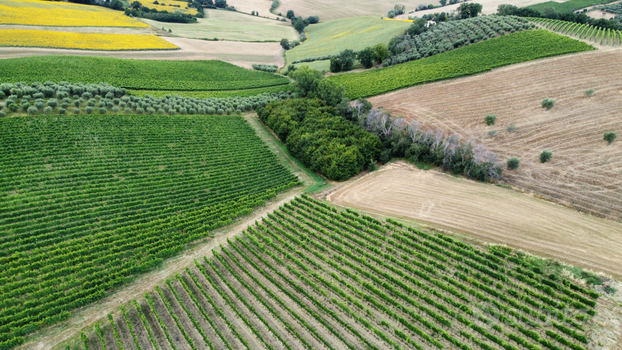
pixel 584 171
pixel 238 53
pixel 489 213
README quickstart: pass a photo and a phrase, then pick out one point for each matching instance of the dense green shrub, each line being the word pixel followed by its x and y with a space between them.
pixel 548 103
pixel 490 119
pixel 545 156
pixel 610 136
pixel 342 62
pixel 513 163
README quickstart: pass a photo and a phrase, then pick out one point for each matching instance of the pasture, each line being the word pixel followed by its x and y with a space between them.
pixel 350 33
pixel 584 171
pixel 477 58
pixel 54 13
pixel 230 25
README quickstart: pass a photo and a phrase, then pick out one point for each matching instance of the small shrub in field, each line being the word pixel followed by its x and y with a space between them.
pixel 25 106
pixel 513 163
pixel 490 119
pixel 545 156
pixel 492 133
pixel 548 103
pixel 589 93
pixel 610 136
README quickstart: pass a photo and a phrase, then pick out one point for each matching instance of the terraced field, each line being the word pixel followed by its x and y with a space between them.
pixel 89 202
pixel 312 277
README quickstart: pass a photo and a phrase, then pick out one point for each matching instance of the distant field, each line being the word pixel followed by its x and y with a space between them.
pixel 165 6
pixel 584 172
pixel 137 74
pixel 567 6
pixel 597 35
pixel 230 25
pixel 217 94
pixel 480 57
pixel 160 182
pixel 54 13
pixel 82 41
pixel 350 33
pixel 331 10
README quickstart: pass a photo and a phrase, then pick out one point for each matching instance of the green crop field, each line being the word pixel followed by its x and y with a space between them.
pixel 567 6
pixel 310 276
pixel 89 201
pixel 598 35
pixel 354 33
pixel 477 58
pixel 137 74
pixel 231 25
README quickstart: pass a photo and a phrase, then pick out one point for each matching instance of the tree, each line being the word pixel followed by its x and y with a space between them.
pixel 399 9
pixel 451 2
pixel 381 52
pixel 136 5
pixel 290 14
pixel 589 93
pixel 342 62
pixel 285 44
pixel 391 14
pixel 545 156
pixel 610 136
pixel 252 13
pixel 548 103
pixel 490 119
pixel 366 57
pixel 299 25
pixel 443 2
pixel 221 3
pixel 418 27
pixel 513 163
pixel 306 80
pixel 329 92
pixel 116 5
pixel 469 10
pixel 313 19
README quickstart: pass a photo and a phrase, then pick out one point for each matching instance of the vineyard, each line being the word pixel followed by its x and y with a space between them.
pixel 447 36
pixel 310 276
pixel 62 14
pixel 477 58
pixel 82 41
pixel 65 98
pixel 137 74
pixel 594 34
pixel 88 202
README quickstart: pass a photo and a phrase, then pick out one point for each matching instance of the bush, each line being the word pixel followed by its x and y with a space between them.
pixel 366 57
pixel 47 110
pixel 127 111
pixel 589 93
pixel 610 136
pixel 513 163
pixel 490 119
pixel 285 44
pixel 89 110
pixel 77 111
pixel 548 103
pixel 313 19
pixel 102 110
pixel 372 165
pixel 62 111
pixel 545 156
pixel 266 67
pixel 510 128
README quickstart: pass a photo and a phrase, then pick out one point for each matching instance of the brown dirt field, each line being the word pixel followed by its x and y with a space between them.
pixel 154 325
pixel 183 318
pixel 242 54
pixel 111 342
pixel 139 329
pixel 584 171
pixel 487 212
pixel 124 332
pixel 178 339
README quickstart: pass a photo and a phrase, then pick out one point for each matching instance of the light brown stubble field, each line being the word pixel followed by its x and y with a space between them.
pixel 585 172
pixel 488 213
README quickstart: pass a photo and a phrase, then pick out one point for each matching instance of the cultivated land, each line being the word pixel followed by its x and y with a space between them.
pixel 166 6
pixel 54 13
pixel 489 7
pixel 487 212
pixel 567 6
pixel 64 248
pixel 229 25
pixel 356 33
pixel 584 172
pixel 312 277
pixel 239 53
pixel 138 74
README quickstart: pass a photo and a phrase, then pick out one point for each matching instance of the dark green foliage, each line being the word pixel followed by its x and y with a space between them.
pixel 366 57
pixel 513 163
pixel 469 10
pixel 220 3
pixel 300 25
pixel 285 44
pixel 548 103
pixel 342 62
pixel 417 27
pixel 307 80
pixel 320 139
pixel 610 136
pixel 116 5
pixel 290 14
pixel 545 156
pixel 490 119
pixel 313 19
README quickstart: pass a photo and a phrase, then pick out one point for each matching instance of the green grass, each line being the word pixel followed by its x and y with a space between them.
pixel 137 74
pixel 357 33
pixel 477 58
pixel 230 25
pixel 216 94
pixel 103 198
pixel 568 5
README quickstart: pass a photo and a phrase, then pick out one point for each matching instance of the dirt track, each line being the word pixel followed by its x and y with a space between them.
pixel 585 172
pixel 239 53
pixel 489 213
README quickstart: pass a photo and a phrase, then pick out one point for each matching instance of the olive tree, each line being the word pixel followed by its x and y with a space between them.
pixel 490 119
pixel 548 103
pixel 545 156
pixel 513 163
pixel 610 136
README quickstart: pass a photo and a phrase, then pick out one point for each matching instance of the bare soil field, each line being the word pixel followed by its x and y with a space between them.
pixel 242 54
pixel 584 172
pixel 487 212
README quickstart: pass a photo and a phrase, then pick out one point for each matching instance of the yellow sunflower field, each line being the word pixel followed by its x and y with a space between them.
pixel 55 13
pixel 82 41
